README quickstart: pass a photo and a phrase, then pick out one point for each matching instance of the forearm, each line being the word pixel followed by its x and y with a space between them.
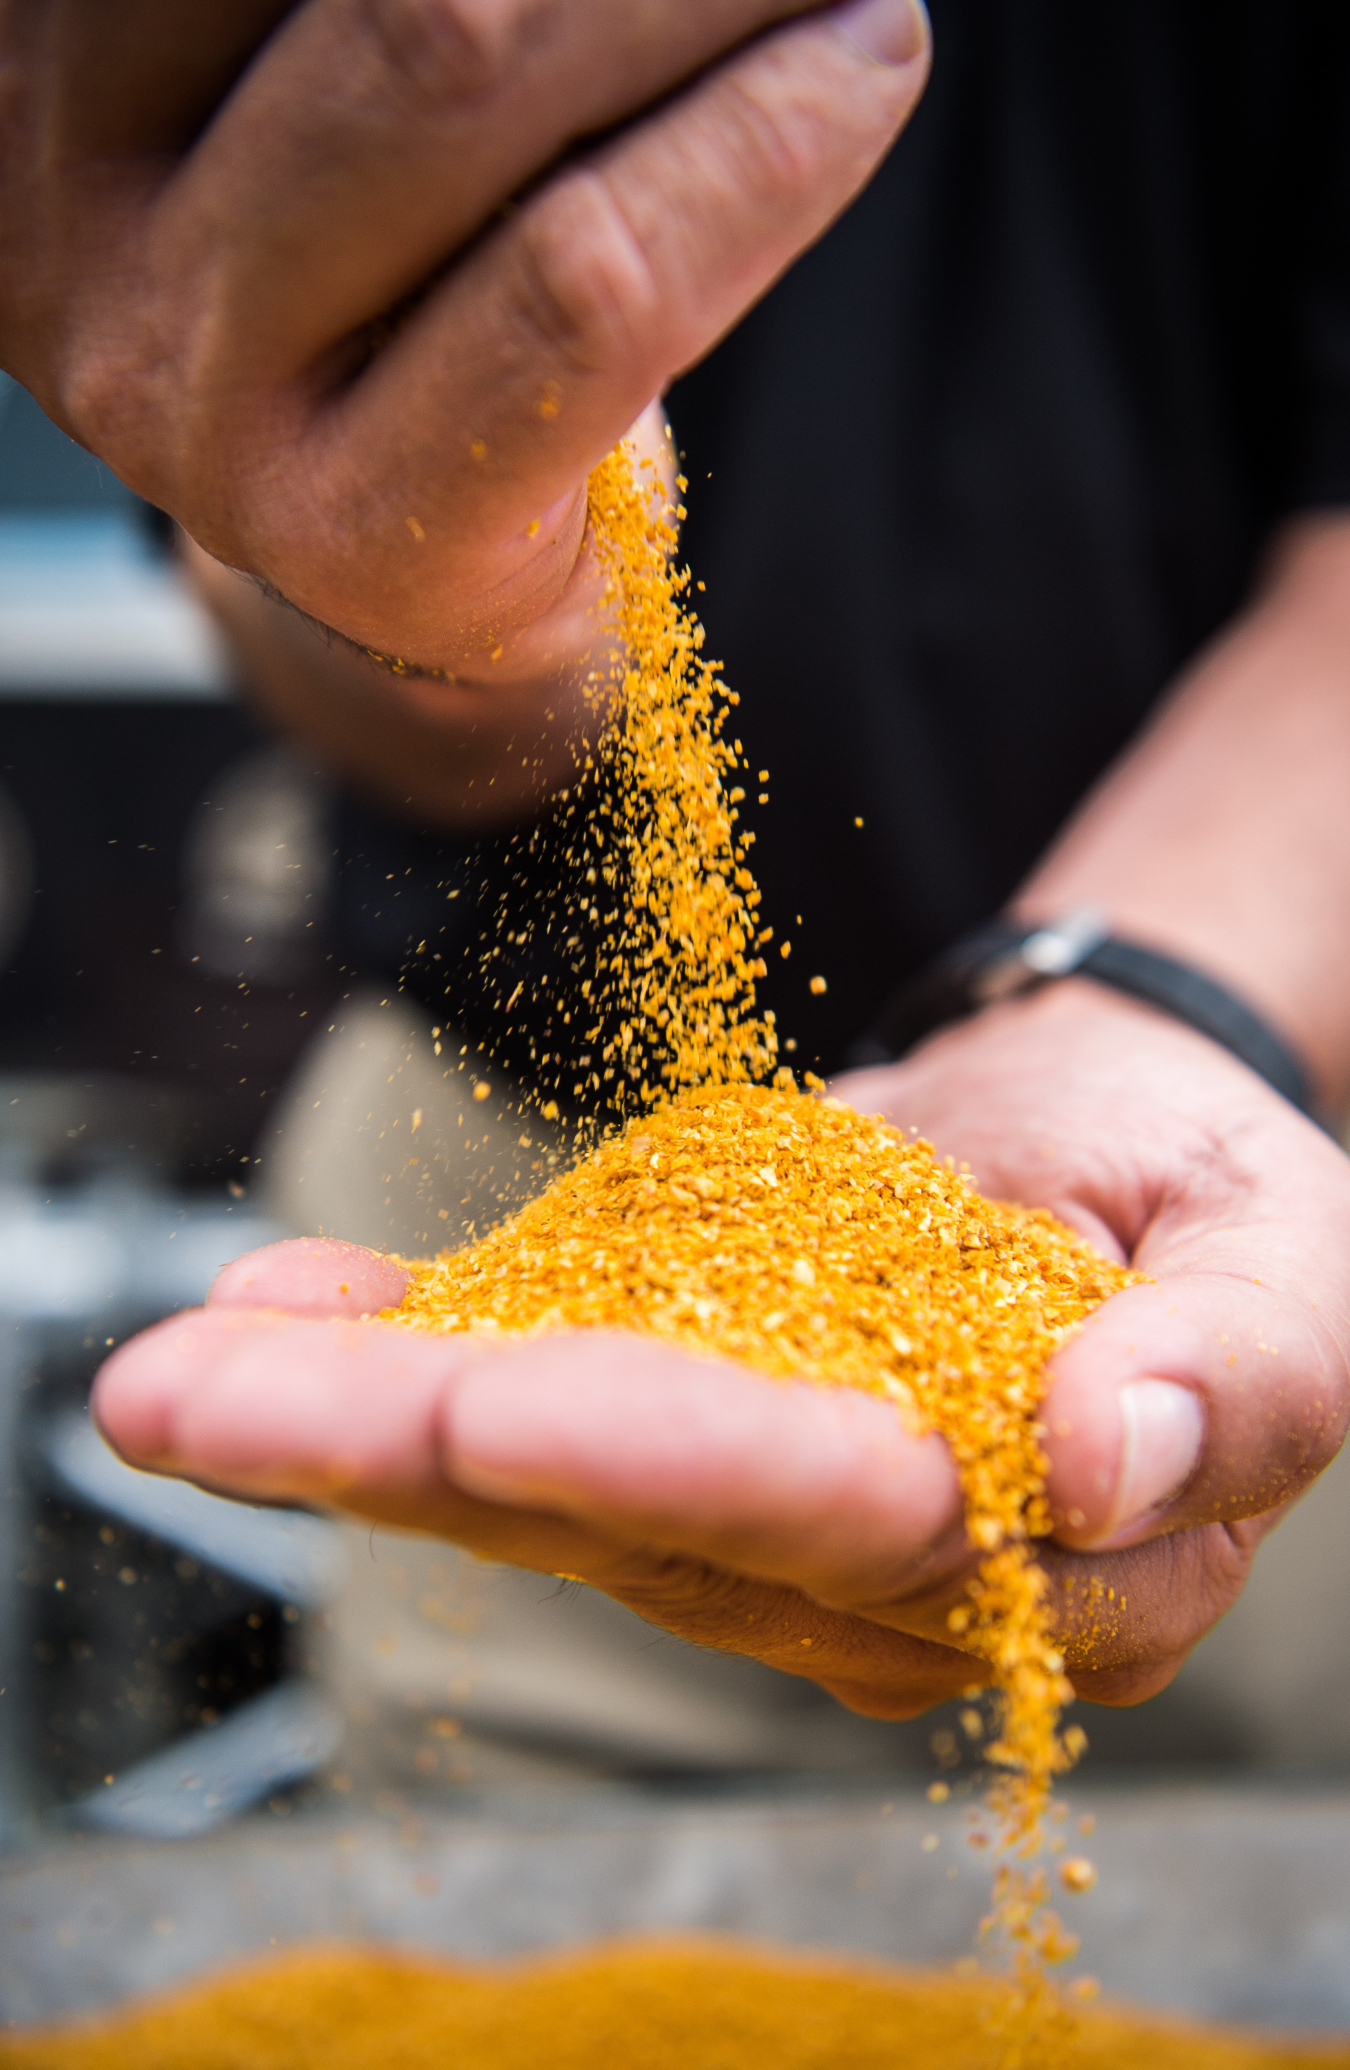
pixel 1224 835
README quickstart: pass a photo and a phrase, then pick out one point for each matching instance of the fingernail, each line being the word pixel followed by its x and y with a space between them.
pixel 1163 1429
pixel 893 32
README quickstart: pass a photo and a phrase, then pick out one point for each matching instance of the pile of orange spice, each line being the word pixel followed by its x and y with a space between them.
pixel 677 2006
pixel 811 1242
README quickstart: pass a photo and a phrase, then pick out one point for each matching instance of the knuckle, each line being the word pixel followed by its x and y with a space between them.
pixel 585 285
pixel 112 403
pixel 437 53
pixel 781 142
pixel 92 388
pixel 1211 1564
pixel 1206 1170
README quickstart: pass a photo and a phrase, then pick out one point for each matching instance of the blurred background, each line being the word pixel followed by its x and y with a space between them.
pixel 199 1052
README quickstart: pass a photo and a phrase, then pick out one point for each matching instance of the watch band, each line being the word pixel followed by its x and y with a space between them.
pixel 1002 961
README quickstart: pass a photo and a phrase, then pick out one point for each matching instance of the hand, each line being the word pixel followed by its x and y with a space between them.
pixel 805 1527
pixel 1189 1412
pixel 354 292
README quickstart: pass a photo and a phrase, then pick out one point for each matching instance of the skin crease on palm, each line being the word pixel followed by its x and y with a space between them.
pixel 208 219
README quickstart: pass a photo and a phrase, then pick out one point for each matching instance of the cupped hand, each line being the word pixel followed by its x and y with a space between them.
pixel 809 1528
pixel 360 292
pixel 1191 1410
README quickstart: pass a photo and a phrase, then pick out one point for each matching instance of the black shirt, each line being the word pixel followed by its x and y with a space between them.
pixel 993 460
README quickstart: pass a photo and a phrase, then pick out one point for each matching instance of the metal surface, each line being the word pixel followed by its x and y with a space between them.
pixel 213 1775
pixel 89 609
pixel 138 1616
pixel 119 1246
pixel 286 1554
pixel 1229 1903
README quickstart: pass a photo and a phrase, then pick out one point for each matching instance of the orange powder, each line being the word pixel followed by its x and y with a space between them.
pixel 745 1218
pixel 675 2006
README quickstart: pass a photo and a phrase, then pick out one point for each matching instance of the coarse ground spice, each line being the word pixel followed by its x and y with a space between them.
pixel 680 965
pixel 654 2007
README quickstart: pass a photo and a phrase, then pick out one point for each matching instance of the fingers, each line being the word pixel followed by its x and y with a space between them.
pixel 878 1670
pixel 430 749
pixel 386 1424
pixel 310 1275
pixel 430 505
pixel 824 1490
pixel 340 1415
pixel 637 1444
pixel 1127 1620
pixel 146 76
pixel 1222 1389
pixel 800 1527
pixel 483 414
pixel 1196 1399
pixel 98 103
pixel 276 1405
pixel 551 338
pixel 409 124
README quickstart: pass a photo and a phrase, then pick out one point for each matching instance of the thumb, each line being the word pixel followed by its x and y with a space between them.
pixel 1197 1399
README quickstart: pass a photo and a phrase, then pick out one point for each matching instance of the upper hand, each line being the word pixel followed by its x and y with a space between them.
pixel 352 291
pixel 805 1526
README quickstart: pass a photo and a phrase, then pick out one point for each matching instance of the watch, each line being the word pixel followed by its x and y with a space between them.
pixel 1003 960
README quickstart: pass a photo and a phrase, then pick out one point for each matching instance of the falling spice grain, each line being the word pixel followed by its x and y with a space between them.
pixel 680 966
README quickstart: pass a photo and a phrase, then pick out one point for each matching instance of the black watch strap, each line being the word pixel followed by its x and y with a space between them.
pixel 1002 960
